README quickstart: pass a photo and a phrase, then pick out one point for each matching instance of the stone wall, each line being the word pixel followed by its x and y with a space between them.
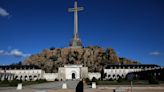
pixel 96 75
pixel 116 73
pixel 84 72
pixel 8 76
pixel 25 74
pixel 50 76
pixel 61 73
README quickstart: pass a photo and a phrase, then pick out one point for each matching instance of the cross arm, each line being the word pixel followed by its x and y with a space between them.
pixel 73 9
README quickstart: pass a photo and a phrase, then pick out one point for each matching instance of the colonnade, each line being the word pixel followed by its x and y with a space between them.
pixel 11 76
pixel 6 76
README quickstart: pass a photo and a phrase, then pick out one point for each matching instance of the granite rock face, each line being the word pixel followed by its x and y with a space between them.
pixel 93 57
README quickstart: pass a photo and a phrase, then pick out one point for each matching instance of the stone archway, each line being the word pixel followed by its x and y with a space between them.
pixel 74 75
pixel 30 77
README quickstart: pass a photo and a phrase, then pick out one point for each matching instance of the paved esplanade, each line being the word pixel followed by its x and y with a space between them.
pixel 76 42
pixel 43 87
pixel 55 85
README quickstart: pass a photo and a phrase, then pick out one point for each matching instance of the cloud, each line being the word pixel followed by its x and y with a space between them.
pixel 155 53
pixel 1 52
pixel 3 12
pixel 13 52
pixel 16 53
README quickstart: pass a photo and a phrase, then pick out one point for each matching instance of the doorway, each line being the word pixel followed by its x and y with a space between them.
pixel 73 76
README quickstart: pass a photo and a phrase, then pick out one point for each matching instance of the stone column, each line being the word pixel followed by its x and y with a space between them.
pixel 3 77
pixel 12 77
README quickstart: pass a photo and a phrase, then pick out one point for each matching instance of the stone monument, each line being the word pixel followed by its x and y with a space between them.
pixel 75 42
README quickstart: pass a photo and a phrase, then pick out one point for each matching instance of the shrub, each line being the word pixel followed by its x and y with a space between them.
pixel 14 82
pixel 153 80
pixel 94 79
pixel 87 81
pixel 120 80
pixel 5 81
pixel 56 80
pixel 110 79
pixel 41 80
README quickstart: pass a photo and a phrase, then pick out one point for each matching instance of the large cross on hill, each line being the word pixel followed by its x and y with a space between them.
pixel 76 42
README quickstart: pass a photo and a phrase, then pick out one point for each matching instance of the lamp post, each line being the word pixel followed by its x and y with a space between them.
pixel 130 77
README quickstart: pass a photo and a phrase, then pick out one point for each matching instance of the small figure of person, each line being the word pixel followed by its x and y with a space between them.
pixel 80 86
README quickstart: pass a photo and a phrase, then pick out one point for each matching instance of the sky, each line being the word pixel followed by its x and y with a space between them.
pixel 134 28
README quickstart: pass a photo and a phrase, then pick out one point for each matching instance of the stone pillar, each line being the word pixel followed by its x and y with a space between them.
pixel 19 87
pixel 23 78
pixel 32 77
pixel 20 77
pixel 8 76
pixel 93 84
pixel 3 77
pixel 64 86
pixel 12 77
pixel 27 78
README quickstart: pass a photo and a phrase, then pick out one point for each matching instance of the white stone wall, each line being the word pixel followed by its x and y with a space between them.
pixel 96 75
pixel 50 76
pixel 61 73
pixel 8 76
pixel 116 73
pixel 31 74
pixel 1 71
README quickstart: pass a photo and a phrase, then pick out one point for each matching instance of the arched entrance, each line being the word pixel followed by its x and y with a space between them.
pixel 73 76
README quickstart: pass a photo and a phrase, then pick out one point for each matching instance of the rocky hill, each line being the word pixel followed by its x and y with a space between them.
pixel 93 57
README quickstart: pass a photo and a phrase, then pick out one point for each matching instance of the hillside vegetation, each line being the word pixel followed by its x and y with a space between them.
pixel 93 57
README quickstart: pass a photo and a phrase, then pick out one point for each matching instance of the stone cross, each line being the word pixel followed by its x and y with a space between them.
pixel 75 10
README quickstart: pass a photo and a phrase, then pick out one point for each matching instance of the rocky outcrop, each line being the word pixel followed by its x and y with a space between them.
pixel 93 57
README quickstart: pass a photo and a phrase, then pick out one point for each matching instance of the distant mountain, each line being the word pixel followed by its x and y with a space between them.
pixel 94 57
